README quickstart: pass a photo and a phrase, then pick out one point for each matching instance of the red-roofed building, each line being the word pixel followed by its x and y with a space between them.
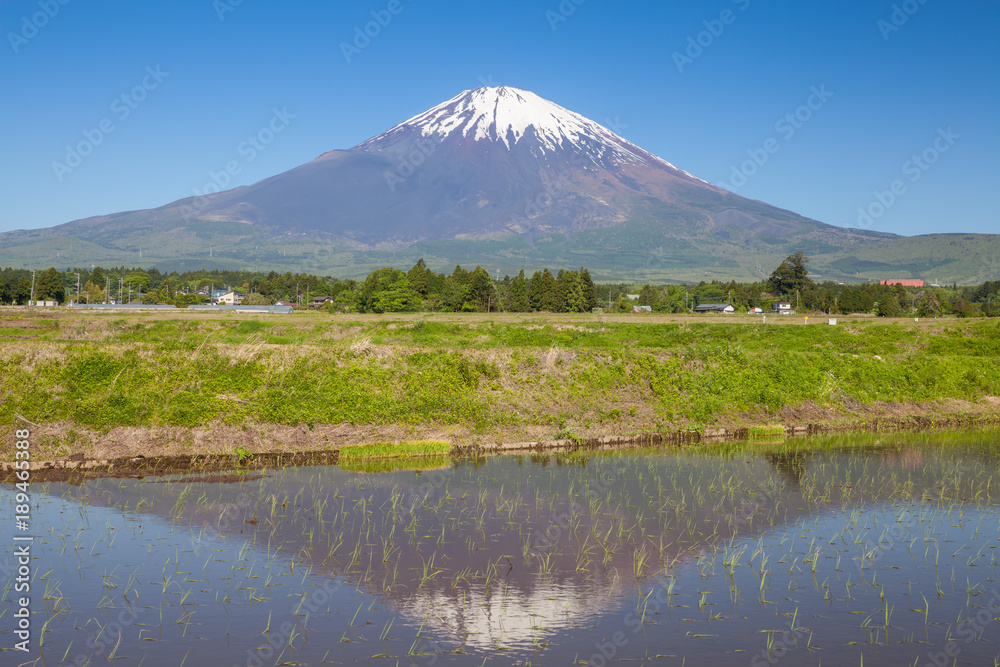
pixel 904 283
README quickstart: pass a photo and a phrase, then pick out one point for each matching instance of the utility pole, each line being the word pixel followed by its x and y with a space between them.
pixel 78 289
pixel 31 299
pixel 107 288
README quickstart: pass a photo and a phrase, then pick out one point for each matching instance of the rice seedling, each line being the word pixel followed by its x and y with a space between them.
pixel 540 548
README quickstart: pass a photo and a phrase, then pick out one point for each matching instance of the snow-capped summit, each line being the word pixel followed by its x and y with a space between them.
pixel 515 117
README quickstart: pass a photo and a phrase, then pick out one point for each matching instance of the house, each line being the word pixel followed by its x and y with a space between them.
pixel 632 297
pixel 782 308
pixel 230 299
pixel 904 283
pixel 640 310
pixel 714 308
pixel 318 301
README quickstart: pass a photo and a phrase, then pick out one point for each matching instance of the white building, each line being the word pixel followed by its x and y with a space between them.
pixel 230 299
pixel 782 308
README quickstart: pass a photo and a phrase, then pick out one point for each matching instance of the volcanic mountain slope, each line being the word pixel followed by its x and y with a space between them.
pixel 488 163
pixel 497 176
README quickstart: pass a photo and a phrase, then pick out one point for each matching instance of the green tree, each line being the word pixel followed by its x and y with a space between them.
pixel 98 277
pixel 255 299
pixel 182 300
pixel 546 291
pixel 649 297
pixel 387 290
pixel 22 291
pixel 398 298
pixel 791 275
pixel 50 287
pixel 563 279
pixel 574 295
pixel 623 305
pixel 889 307
pixel 589 289
pixel 418 277
pixel 518 301
pixel 139 280
pixel 480 294
pixel 963 308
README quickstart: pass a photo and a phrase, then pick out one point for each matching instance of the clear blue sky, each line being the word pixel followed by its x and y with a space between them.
pixel 892 91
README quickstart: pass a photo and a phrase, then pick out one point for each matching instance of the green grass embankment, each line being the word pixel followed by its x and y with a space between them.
pixel 83 376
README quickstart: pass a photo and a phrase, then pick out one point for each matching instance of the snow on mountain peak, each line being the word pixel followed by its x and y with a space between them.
pixel 509 115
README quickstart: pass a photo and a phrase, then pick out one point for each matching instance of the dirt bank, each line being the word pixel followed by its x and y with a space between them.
pixel 61 452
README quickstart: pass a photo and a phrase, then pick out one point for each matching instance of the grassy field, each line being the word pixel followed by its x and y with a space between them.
pixel 114 384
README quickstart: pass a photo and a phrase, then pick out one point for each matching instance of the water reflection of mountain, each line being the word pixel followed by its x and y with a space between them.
pixel 503 550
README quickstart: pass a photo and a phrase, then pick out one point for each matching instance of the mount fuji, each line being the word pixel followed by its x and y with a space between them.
pixel 497 176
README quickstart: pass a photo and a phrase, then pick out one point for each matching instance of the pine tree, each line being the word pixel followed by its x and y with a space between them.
pixel 649 297
pixel 559 293
pixel 480 293
pixel 546 291
pixel 519 301
pixel 576 299
pixel 535 290
pixel 589 289
pixel 418 277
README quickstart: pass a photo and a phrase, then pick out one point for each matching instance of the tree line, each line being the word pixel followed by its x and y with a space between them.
pixel 564 291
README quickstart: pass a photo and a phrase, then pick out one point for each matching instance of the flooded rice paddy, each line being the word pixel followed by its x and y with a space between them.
pixel 847 550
